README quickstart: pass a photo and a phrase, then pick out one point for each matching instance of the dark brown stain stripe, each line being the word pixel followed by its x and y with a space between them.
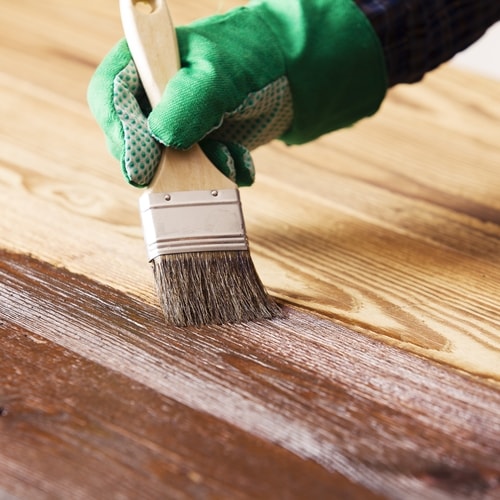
pixel 331 399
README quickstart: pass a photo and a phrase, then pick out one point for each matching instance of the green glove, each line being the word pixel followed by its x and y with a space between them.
pixel 288 69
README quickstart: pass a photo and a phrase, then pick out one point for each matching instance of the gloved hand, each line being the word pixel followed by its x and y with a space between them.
pixel 288 69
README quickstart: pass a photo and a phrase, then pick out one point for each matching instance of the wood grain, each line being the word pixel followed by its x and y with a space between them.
pixel 298 407
pixel 73 428
pixel 382 241
pixel 391 227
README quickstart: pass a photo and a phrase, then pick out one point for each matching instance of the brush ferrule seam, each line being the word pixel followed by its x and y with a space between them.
pixel 192 221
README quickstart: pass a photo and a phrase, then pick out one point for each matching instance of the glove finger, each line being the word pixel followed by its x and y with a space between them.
pixel 119 104
pixel 190 108
pixel 141 154
pixel 220 156
pixel 100 94
pixel 243 164
pixel 232 159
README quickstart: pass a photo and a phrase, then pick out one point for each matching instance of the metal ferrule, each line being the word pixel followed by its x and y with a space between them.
pixel 192 221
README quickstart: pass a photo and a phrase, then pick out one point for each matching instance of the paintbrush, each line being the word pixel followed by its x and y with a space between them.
pixel 191 213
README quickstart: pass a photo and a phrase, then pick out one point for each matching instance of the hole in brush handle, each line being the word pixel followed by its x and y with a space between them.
pixel 145 6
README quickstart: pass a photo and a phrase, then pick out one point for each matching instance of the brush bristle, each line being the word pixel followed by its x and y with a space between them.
pixel 202 288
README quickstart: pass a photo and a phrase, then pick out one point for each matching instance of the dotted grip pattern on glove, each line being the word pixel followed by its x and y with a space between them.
pixel 141 153
pixel 260 118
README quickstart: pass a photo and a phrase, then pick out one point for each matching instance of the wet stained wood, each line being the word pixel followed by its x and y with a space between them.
pixel 72 427
pixel 98 395
pixel 383 242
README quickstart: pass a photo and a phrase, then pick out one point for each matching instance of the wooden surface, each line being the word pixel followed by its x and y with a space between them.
pixel 382 241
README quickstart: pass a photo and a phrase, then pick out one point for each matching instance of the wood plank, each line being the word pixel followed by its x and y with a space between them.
pixel 390 227
pixel 393 226
pixel 71 428
pixel 383 241
pixel 296 407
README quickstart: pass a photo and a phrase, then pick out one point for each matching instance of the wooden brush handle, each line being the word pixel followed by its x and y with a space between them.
pixel 152 41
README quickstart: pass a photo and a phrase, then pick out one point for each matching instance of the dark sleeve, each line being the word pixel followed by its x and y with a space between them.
pixel 418 35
